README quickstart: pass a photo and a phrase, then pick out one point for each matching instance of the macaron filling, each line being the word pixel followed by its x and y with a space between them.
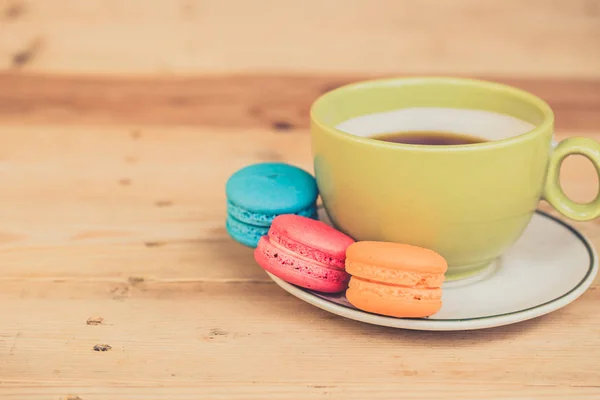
pixel 304 252
pixel 298 264
pixel 246 234
pixel 395 291
pixel 395 276
pixel 264 219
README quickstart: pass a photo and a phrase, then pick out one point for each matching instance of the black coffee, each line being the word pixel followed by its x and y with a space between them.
pixel 430 138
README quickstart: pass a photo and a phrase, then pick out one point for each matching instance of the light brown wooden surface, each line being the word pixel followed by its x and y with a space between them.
pixel 113 207
pixel 550 38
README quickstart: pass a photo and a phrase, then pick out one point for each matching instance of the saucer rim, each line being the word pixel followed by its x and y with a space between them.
pixel 452 324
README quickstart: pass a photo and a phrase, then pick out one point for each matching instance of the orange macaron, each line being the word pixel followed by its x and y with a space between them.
pixel 394 279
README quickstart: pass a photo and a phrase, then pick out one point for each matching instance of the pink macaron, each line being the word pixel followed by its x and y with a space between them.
pixel 306 253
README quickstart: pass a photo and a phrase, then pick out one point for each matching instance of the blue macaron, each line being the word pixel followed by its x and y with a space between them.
pixel 258 193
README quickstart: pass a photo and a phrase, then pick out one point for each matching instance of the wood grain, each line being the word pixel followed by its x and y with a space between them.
pixel 535 38
pixel 274 102
pixel 112 207
pixel 216 340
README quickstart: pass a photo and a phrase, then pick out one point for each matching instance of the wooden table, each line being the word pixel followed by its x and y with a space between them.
pixel 120 122
pixel 113 237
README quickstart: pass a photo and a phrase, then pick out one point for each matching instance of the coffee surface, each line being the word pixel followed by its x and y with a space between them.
pixel 484 125
pixel 430 138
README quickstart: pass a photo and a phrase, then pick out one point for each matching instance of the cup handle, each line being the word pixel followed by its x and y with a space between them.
pixel 553 192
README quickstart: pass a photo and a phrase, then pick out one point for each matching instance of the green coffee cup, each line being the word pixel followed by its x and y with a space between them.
pixel 470 202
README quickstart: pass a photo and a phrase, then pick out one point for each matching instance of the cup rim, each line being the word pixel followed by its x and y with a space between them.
pixel 547 123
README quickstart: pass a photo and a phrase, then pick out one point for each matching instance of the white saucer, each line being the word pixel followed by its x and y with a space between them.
pixel 551 265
